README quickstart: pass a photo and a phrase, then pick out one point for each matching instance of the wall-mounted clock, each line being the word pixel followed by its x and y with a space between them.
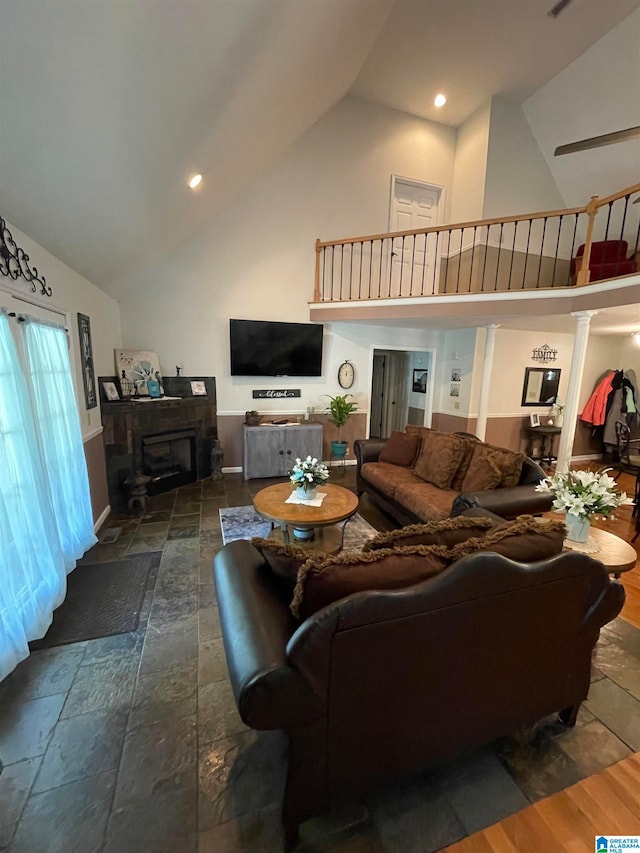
pixel 346 374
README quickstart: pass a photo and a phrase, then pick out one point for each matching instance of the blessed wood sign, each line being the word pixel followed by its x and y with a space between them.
pixel 273 393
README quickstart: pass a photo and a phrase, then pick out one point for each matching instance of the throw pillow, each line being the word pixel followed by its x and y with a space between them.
pixel 448 532
pixel 440 457
pixel 283 560
pixel 492 467
pixel 525 540
pixel 400 449
pixel 469 445
pixel 483 471
pixel 322 579
pixel 510 463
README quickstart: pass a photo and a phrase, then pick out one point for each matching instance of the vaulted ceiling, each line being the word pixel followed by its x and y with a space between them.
pixel 107 107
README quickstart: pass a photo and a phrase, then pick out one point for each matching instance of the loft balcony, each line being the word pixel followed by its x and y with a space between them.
pixel 552 262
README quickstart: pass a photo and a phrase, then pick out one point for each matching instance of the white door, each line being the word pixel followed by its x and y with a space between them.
pixel 413 266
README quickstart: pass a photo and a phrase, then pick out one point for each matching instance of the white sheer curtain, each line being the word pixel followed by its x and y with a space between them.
pixel 60 436
pixel 32 567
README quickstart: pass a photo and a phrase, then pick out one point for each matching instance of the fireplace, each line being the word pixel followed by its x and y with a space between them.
pixel 169 458
pixel 169 440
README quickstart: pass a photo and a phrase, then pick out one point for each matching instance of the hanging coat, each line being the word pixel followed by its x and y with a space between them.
pixel 596 409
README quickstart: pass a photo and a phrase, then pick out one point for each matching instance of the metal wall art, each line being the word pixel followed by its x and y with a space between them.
pixel 544 354
pixel 14 262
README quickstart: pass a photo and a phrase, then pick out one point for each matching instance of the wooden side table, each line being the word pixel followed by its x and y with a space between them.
pixel 546 435
pixel 614 553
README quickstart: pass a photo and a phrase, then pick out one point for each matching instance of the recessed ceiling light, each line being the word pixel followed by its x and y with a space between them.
pixel 439 100
pixel 194 181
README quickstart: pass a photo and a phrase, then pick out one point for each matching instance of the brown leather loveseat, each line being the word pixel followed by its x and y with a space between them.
pixel 387 682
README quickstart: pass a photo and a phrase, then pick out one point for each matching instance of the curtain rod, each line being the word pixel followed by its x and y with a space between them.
pixel 22 319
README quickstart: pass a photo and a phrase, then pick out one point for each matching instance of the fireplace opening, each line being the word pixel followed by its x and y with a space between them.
pixel 169 458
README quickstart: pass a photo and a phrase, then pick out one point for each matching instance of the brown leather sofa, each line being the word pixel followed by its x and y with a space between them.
pixel 381 684
pixel 428 502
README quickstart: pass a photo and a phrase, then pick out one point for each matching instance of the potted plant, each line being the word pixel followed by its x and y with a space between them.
pixel 340 410
pixel 306 475
pixel 252 418
pixel 582 495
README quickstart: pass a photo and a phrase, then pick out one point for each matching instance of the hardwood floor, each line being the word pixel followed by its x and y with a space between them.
pixel 623 525
pixel 568 822
pixel 607 803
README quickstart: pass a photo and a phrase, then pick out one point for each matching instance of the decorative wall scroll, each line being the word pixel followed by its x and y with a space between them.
pixel 86 359
pixel 273 393
pixel 14 264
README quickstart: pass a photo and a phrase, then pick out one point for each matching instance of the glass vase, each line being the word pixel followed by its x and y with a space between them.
pixel 577 528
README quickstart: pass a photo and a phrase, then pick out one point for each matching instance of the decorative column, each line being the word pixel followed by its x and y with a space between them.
pixel 568 433
pixel 489 345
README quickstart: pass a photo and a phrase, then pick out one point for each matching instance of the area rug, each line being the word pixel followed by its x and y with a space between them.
pixel 102 599
pixel 243 522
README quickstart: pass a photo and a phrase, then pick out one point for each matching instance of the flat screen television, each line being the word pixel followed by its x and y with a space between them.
pixel 268 348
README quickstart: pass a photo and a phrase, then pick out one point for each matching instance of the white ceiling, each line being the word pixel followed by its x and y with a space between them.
pixel 106 107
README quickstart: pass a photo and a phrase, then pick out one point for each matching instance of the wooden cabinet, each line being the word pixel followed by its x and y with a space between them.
pixel 271 451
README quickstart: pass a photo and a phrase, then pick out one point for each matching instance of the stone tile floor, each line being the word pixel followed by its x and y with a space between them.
pixel 132 743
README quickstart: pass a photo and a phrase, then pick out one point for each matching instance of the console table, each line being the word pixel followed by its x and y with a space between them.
pixel 270 451
pixel 546 436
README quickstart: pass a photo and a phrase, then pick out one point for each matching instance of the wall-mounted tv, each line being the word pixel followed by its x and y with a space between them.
pixel 267 348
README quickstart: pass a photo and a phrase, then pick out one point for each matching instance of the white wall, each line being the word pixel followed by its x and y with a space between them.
pixel 518 179
pixel 595 94
pixel 258 260
pixel 472 141
pixel 457 350
pixel 72 294
pixel 512 354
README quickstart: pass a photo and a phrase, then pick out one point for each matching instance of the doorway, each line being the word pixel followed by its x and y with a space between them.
pixel 396 400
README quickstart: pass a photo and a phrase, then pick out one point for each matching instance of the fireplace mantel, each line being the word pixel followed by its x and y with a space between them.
pixel 127 422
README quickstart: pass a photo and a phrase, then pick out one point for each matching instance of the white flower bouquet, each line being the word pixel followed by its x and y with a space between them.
pixel 308 474
pixel 584 493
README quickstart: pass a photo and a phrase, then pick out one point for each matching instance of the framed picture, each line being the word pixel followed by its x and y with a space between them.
pixel 86 359
pixel 110 391
pixel 540 386
pixel 454 389
pixel 456 374
pixel 198 388
pixel 134 368
pixel 534 419
pixel 420 381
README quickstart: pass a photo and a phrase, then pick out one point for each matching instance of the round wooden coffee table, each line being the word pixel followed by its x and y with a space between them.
pixel 614 553
pixel 310 526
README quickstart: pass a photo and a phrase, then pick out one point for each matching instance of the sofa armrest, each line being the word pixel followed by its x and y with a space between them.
pixel 368 449
pixel 508 502
pixel 256 626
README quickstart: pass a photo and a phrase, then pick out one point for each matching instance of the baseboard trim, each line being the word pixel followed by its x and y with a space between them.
pixel 237 469
pixel 101 518
pixel 588 457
